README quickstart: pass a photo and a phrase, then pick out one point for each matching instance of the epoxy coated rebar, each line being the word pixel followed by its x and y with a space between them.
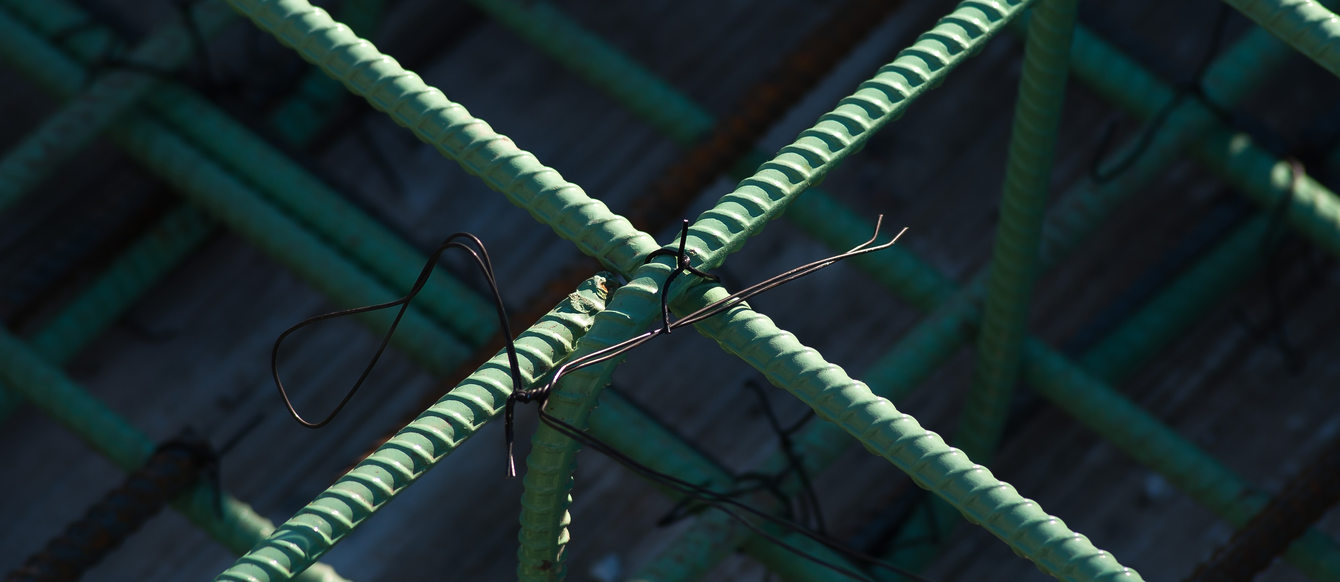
pixel 935 340
pixel 447 126
pixel 421 444
pixel 317 95
pixel 722 230
pixel 1312 210
pixel 593 58
pixel 1014 258
pixel 930 344
pixel 809 60
pixel 303 196
pixel 84 117
pixel 897 437
pixel 661 105
pixel 234 203
pixel 45 386
pixel 1140 337
pixel 1306 25
pixel 632 432
pixel 107 297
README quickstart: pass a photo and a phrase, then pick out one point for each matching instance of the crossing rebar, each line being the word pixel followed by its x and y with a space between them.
pixel 432 436
pixel 110 94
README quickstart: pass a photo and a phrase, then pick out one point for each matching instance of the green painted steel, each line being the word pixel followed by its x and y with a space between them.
pixel 447 126
pixel 1307 25
pixel 932 464
pixel 317 96
pixel 109 95
pixel 1185 300
pixel 1095 62
pixel 47 387
pixel 286 184
pixel 420 445
pixel 674 114
pixel 549 473
pixel 929 345
pixel 1312 210
pixel 593 58
pixel 1014 259
pixel 633 432
pixel 139 267
pixel 911 278
pixel 234 203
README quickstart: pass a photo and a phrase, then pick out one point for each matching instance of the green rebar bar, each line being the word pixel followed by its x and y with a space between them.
pixel 634 433
pixel 1014 259
pixel 932 343
pixel 115 290
pixel 670 111
pixel 447 126
pixel 1185 300
pixel 722 230
pixel 304 197
pixel 235 204
pixel 593 58
pixel 110 94
pixel 317 95
pixel 1263 177
pixel 238 528
pixel 436 433
pixel 897 437
pixel 1096 62
pixel 1307 25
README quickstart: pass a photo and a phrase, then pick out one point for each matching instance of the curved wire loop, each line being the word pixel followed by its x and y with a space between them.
pixel 540 394
pixel 475 248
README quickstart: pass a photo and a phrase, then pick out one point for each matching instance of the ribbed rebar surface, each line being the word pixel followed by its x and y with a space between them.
pixel 422 443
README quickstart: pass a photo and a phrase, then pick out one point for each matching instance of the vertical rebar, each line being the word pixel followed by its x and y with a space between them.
pixel 414 450
pixel 722 230
pixel 1014 259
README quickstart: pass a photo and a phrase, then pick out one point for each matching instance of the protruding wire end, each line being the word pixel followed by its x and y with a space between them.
pixel 509 432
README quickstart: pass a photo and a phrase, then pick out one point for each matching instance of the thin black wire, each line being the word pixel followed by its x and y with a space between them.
pixel 1275 329
pixel 541 394
pixel 726 503
pixel 810 502
pixel 682 265
pixel 481 257
pixel 1193 88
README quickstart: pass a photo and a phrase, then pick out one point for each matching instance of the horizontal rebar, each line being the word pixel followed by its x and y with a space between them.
pixel 449 128
pixel 1307 25
pixel 110 94
pixel 237 527
pixel 234 203
pixel 90 313
pixel 285 183
pixel 1059 552
pixel 436 433
pixel 929 346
